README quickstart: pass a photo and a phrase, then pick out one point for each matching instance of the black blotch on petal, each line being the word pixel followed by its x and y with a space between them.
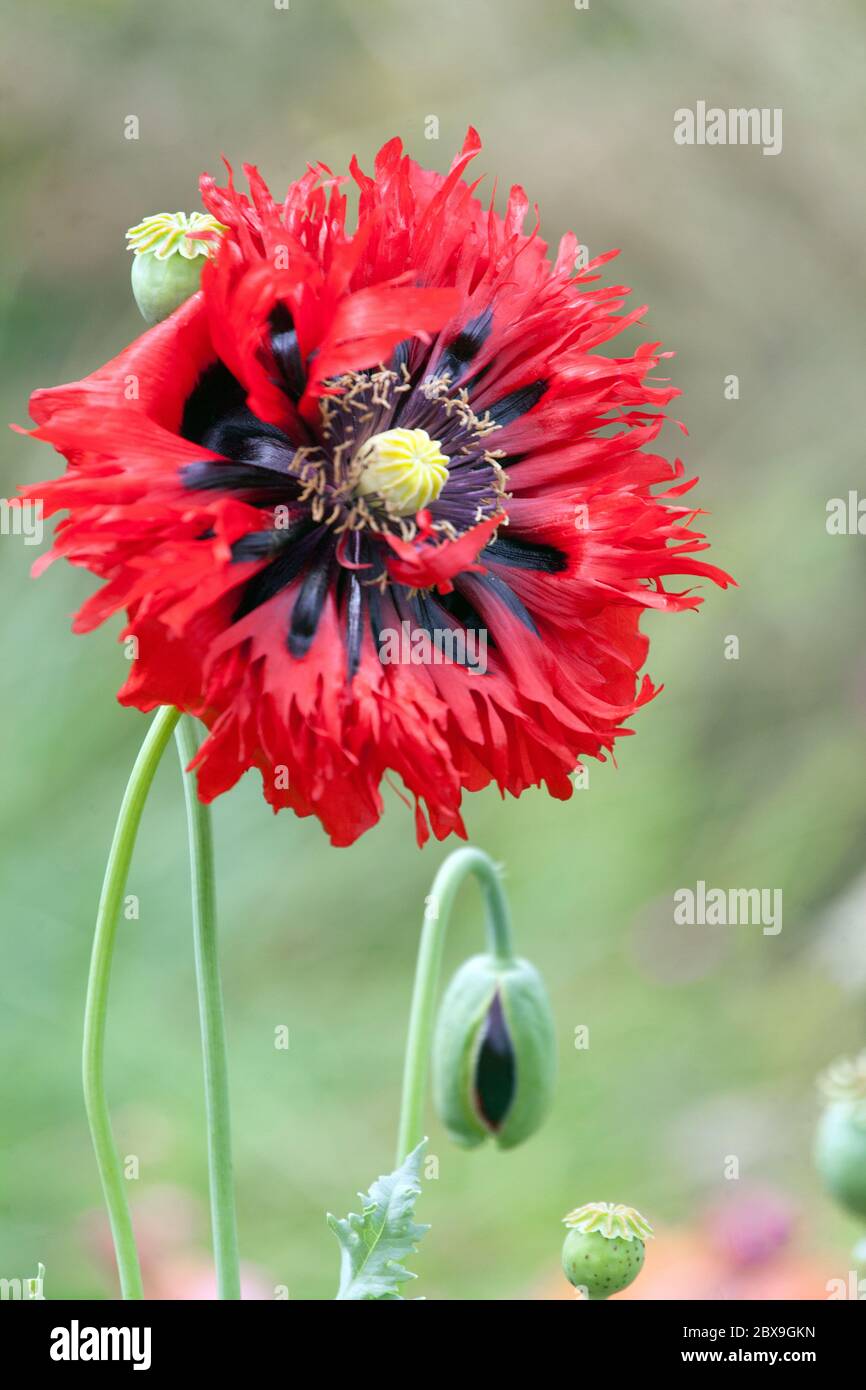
pixel 354 624
pixel 308 605
pixel 258 545
pixel 502 591
pixel 241 435
pixel 287 353
pixel 287 565
pixel 352 600
pixel 459 607
pixel 374 612
pixel 215 394
pixel 517 403
pixel 432 615
pixel 208 476
pixel 510 550
pixel 465 346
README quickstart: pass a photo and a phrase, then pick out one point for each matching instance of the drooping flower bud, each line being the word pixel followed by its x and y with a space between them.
pixel 603 1251
pixel 494 1053
pixel 840 1150
pixel 167 260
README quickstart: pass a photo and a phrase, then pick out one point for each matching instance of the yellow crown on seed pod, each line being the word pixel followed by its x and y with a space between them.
pixel 168 233
pixel 406 469
pixel 613 1220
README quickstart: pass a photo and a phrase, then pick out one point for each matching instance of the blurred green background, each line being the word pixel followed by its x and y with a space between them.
pixel 704 1042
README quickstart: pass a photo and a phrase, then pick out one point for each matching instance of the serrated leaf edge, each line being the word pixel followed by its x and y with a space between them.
pixel 349 1229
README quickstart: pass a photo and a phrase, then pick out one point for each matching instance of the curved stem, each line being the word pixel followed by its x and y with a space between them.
pixel 213 1040
pixel 423 1012
pixel 93 1060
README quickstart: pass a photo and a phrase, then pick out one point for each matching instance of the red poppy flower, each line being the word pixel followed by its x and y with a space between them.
pixel 407 429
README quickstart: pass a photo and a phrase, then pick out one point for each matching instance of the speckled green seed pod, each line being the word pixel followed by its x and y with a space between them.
pixel 603 1251
pixel 600 1266
pixel 494 1052
pixel 840 1147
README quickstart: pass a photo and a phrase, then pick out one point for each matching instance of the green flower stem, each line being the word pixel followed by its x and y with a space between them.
pixel 223 1223
pixel 422 1017
pixel 93 1061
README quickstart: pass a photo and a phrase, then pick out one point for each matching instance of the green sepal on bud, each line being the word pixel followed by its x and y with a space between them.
pixel 167 260
pixel 494 1052
pixel 840 1148
pixel 603 1251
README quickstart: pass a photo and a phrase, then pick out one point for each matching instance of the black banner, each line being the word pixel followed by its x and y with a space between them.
pixel 151 1338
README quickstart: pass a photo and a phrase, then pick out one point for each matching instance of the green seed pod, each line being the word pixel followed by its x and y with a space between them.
pixel 840 1150
pixel 494 1053
pixel 167 261
pixel 603 1251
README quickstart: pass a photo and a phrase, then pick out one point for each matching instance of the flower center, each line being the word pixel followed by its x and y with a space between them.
pixel 406 469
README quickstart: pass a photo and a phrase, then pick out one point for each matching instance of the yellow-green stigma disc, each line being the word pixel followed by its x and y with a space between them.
pixel 167 234
pixel 405 468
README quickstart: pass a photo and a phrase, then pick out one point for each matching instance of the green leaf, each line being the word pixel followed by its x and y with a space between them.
pixel 373 1244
